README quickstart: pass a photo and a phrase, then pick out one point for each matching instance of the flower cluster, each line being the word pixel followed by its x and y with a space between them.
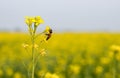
pixel 33 23
pixel 33 48
pixel 36 20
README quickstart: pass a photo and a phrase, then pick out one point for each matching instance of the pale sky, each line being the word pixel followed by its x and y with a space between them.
pixel 62 15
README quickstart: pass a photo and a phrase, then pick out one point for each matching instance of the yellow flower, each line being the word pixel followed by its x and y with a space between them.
pixel 25 45
pixel 110 54
pixel 75 69
pixel 47 30
pixel 105 60
pixel 49 75
pixel 117 57
pixel 115 48
pixel 99 69
pixel 1 72
pixel 36 46
pixel 40 73
pixel 29 21
pixel 108 75
pixel 9 72
pixel 42 52
pixel 17 75
pixel 38 20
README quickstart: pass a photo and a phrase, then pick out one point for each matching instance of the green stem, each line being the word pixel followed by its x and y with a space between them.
pixel 36 59
pixel 38 35
pixel 30 30
pixel 114 67
pixel 33 58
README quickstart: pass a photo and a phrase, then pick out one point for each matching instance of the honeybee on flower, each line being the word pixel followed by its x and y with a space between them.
pixel 48 32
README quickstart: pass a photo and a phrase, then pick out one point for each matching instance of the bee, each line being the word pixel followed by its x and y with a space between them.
pixel 49 34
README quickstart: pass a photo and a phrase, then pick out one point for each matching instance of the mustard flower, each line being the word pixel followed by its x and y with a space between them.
pixel 36 46
pixel 105 60
pixel 49 75
pixel 47 29
pixel 115 49
pixel 1 72
pixel 38 20
pixel 29 21
pixel 25 45
pixel 99 69
pixel 42 52
pixel 17 75
pixel 75 69
pixel 9 72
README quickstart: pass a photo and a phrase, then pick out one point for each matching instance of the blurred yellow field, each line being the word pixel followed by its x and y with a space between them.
pixel 69 55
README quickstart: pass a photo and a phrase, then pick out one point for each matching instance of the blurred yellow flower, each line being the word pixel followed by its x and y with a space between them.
pixel 49 75
pixel 115 52
pixel 99 69
pixel 17 75
pixel 40 73
pixel 36 46
pixel 115 48
pixel 38 20
pixel 90 61
pixel 105 60
pixel 25 45
pixel 108 75
pixel 117 57
pixel 1 72
pixel 47 29
pixel 9 72
pixel 42 52
pixel 29 20
pixel 75 69
pixel 110 54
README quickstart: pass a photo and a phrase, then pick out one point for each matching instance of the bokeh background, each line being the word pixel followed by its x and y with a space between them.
pixel 85 42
